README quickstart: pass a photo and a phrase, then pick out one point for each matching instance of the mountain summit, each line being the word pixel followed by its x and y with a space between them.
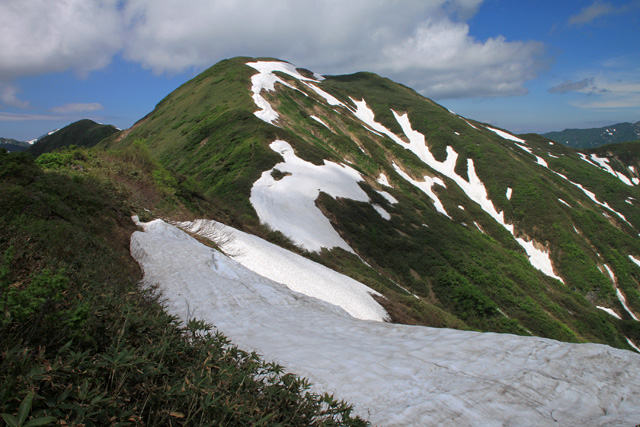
pixel 455 222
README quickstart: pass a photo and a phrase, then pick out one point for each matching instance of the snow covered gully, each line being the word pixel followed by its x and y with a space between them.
pixel 393 374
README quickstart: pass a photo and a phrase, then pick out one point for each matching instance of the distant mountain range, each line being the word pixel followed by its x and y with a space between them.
pixel 595 137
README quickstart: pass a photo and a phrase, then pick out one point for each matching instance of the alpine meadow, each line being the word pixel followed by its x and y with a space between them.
pixel 270 246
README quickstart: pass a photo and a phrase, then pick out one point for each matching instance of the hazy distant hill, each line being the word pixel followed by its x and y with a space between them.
pixel 595 137
pixel 13 144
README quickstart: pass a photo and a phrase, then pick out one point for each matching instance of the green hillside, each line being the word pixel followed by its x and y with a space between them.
pixel 81 344
pixel 467 270
pixel 83 133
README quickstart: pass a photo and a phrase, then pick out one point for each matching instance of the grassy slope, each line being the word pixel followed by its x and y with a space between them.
pixel 458 268
pixel 81 344
pixel 206 130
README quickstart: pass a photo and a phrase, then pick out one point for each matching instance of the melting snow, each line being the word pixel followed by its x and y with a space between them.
pixel 509 193
pixel 506 135
pixel 388 196
pixel 393 374
pixel 592 196
pixel 633 345
pixel 610 311
pixel 288 204
pixel 474 188
pixel 384 214
pixel 563 202
pixel 635 260
pixel 317 119
pixel 329 98
pixel 427 187
pixel 623 301
pixel 382 179
pixel 603 163
pixel 296 272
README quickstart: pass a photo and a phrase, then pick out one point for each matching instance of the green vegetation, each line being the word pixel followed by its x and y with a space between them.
pixel 81 344
pixel 465 278
pixel 83 133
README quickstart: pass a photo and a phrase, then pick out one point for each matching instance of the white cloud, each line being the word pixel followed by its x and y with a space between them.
pixel 77 107
pixel 54 35
pixel 417 42
pixel 612 91
pixel 423 43
pixel 592 12
pixel 8 96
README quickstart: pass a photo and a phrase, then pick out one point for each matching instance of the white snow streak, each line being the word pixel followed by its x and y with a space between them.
pixel 635 260
pixel 563 202
pixel 392 200
pixel 623 301
pixel 610 311
pixel 427 187
pixel 603 163
pixel 506 135
pixel 474 188
pixel 288 204
pixel 382 179
pixel 393 374
pixel 509 193
pixel 319 120
pixel 592 196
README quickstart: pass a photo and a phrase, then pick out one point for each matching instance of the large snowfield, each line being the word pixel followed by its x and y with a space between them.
pixel 395 375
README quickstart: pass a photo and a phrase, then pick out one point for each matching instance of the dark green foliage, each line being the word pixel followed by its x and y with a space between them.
pixel 80 344
pixel 83 133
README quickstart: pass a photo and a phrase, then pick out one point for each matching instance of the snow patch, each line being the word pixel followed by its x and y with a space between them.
pixel 384 214
pixel 474 188
pixel 427 187
pixel 623 301
pixel 288 204
pixel 603 163
pixel 392 374
pixel 382 179
pixel 610 311
pixel 509 193
pixel 296 272
pixel 392 200
pixel 635 260
pixel 563 202
pixel 506 135
pixel 592 196
pixel 319 120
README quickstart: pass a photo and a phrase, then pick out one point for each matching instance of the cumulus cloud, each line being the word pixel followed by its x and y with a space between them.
pixel 52 35
pixel 8 96
pixel 77 107
pixel 570 86
pixel 423 43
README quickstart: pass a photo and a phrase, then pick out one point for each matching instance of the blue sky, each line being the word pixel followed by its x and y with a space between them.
pixel 525 65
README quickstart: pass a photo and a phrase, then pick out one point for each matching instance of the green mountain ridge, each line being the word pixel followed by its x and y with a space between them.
pixel 595 137
pixel 81 343
pixel 83 133
pixel 467 270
